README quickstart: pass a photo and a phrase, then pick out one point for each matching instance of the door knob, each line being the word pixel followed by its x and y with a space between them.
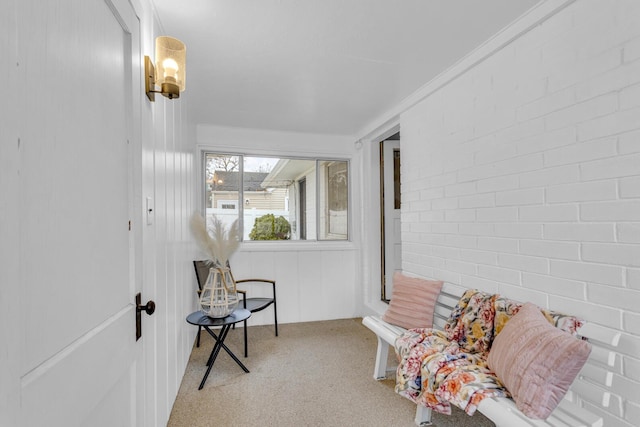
pixel 149 308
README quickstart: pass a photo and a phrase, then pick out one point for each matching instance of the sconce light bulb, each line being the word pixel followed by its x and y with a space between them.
pixel 170 68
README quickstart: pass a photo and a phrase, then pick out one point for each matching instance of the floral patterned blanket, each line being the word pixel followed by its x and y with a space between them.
pixel 439 368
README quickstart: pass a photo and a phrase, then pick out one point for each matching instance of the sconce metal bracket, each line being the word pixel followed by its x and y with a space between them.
pixel 149 79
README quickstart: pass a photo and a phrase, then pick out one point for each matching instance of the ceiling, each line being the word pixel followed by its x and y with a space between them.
pixel 320 66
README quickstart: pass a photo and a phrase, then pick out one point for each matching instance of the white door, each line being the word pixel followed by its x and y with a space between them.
pixel 391 199
pixel 78 361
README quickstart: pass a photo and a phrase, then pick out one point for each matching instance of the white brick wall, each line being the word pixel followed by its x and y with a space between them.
pixel 522 176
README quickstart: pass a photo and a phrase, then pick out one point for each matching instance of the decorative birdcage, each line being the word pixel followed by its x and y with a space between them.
pixel 219 297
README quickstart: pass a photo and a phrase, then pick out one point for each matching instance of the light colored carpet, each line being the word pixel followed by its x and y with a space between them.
pixel 313 374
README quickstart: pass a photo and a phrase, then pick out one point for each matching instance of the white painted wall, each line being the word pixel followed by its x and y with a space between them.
pixel 521 175
pixel 315 280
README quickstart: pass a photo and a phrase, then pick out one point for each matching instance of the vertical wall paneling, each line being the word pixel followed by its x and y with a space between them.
pixel 168 178
pixel 160 226
pixel 11 108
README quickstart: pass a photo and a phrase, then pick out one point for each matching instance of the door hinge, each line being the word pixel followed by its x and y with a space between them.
pixel 129 225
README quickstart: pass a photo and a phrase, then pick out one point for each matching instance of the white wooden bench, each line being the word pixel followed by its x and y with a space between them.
pixel 591 386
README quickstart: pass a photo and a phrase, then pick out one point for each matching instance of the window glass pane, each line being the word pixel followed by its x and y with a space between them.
pixel 271 190
pixel 264 204
pixel 222 187
pixel 334 201
pixel 278 197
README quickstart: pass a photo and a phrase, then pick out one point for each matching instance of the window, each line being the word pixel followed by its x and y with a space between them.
pixel 227 204
pixel 334 199
pixel 279 198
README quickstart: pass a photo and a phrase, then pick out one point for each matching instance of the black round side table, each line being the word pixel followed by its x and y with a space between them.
pixel 198 318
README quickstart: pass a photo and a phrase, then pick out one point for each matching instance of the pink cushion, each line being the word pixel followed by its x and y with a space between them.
pixel 536 361
pixel 412 302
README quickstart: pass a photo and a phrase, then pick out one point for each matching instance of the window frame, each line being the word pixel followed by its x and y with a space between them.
pixel 204 151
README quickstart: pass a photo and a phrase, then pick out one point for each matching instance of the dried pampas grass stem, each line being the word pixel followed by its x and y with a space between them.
pixel 216 241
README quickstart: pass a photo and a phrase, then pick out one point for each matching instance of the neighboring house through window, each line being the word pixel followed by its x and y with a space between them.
pixel 279 198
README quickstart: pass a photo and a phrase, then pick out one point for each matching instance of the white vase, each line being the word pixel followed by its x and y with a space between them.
pixel 219 296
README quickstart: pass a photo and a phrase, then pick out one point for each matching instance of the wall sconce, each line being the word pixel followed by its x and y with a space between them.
pixel 171 67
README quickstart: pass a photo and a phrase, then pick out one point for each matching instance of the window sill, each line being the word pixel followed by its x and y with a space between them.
pixel 287 246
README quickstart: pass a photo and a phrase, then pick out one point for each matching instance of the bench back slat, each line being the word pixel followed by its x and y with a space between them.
pixel 444 306
pixel 440 317
pixel 575 412
pixel 563 418
pixel 591 392
pixel 603 355
pixel 597 374
pixel 600 333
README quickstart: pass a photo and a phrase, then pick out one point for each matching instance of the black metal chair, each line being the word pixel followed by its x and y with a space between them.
pixel 253 304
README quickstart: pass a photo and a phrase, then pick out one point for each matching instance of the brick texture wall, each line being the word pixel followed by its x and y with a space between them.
pixel 522 176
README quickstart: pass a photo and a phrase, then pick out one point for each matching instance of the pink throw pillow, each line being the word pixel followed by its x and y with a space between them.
pixel 412 302
pixel 536 361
